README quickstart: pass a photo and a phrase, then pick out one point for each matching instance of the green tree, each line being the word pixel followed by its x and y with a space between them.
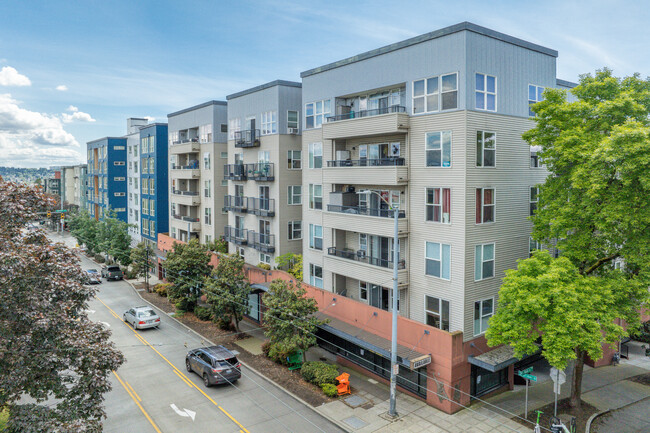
pixel 218 246
pixel 292 263
pixel 186 267
pixel 86 230
pixel 142 257
pixel 227 289
pixel 594 208
pixel 114 239
pixel 288 319
pixel 50 350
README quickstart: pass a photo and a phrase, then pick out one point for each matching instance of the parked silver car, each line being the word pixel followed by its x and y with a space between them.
pixel 214 364
pixel 141 317
pixel 93 276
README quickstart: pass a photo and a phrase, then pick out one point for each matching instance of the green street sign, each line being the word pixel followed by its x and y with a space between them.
pixel 526 370
pixel 529 377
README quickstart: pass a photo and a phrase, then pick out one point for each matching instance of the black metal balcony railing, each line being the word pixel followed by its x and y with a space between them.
pixel 235 203
pixel 193 165
pixel 235 235
pixel 362 210
pixel 367 113
pixel 261 206
pixel 234 171
pixel 377 162
pixel 184 140
pixel 360 256
pixel 260 171
pixel 262 242
pixel 186 218
pixel 248 138
pixel 180 192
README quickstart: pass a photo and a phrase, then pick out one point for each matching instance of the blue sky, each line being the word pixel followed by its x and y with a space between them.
pixel 116 59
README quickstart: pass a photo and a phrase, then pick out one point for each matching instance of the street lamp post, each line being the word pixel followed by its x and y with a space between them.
pixel 394 368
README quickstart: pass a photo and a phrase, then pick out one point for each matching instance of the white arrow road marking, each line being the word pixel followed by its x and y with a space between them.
pixel 105 324
pixel 185 412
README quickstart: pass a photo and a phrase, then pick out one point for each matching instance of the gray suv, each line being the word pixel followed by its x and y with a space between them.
pixel 215 364
pixel 112 272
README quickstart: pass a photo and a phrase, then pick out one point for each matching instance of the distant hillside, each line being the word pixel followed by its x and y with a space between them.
pixel 25 175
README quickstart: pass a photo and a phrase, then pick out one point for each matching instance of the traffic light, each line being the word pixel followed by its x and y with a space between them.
pixel 62 216
pixel 49 214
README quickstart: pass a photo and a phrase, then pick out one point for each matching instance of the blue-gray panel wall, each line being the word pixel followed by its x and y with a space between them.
pixel 277 98
pixel 219 117
pixel 290 100
pixel 212 114
pixel 515 68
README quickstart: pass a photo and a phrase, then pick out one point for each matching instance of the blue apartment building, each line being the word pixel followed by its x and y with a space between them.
pixel 154 207
pixel 106 178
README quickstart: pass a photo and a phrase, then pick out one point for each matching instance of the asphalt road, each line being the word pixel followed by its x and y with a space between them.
pixel 153 392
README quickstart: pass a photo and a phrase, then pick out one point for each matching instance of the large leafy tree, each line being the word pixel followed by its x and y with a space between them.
pixel 186 267
pixel 142 259
pixel 227 289
pixel 86 230
pixel 114 239
pixel 292 263
pixel 49 349
pixel 594 208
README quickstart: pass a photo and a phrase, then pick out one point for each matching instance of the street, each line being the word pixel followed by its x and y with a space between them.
pixel 153 392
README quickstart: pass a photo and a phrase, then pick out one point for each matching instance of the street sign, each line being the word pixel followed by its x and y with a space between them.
pixel 526 370
pixel 529 377
pixel 558 375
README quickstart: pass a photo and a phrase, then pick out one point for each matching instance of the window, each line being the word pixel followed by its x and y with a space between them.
pixel 130 181
pixel 145 227
pixel 534 193
pixel 483 262
pixel 483 310
pixel 486 148
pixel 292 119
pixel 535 94
pixel 152 207
pixel 316 113
pixel 486 92
pixel 119 148
pixel 265 258
pixel 533 246
pixel 235 126
pixel 363 290
pixel 534 157
pixel 294 159
pixel 436 311
pixel 206 160
pixel 152 188
pixel 207 188
pixel 315 275
pixel 143 145
pixel 224 127
pixel 438 205
pixel 152 144
pixel 145 186
pixel 152 227
pixel 315 155
pixel 135 150
pixel 438 149
pixel 435 93
pixel 295 230
pixel 208 216
pixel 118 163
pixel 120 194
pixel 224 182
pixel 205 133
pixel 224 155
pixel 119 179
pixel 145 207
pixel 438 260
pixel 294 194
pixel 484 205
pixel 315 196
pixel 269 122
pixel 315 236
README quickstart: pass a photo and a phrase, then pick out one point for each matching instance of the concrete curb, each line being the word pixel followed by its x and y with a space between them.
pixel 292 395
pixel 593 417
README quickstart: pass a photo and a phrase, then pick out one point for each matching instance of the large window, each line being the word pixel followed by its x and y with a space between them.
pixel 315 236
pixel 315 155
pixel 205 133
pixel 438 205
pixel 315 275
pixel 207 188
pixel 145 206
pixel 294 194
pixel 435 93
pixel 152 187
pixel 316 113
pixel 534 157
pixel 486 92
pixel 206 161
pixel 483 310
pixel 295 230
pixel 269 122
pixel 486 149
pixel 438 149
pixel 533 246
pixel 484 205
pixel 152 207
pixel 292 120
pixel 294 159
pixel 234 126
pixel 208 216
pixel 483 262
pixel 535 94
pixel 534 193
pixel 437 313
pixel 438 260
pixel 315 196
pixel 152 163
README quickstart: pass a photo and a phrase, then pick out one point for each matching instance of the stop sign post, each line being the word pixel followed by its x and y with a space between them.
pixel 558 377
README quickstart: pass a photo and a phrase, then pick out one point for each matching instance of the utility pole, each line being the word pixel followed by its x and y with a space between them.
pixel 146 267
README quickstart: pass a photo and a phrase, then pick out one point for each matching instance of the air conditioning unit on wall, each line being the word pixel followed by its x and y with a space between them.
pixel 293 130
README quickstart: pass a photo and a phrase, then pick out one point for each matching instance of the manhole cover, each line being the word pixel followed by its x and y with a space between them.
pixel 355 422
pixel 355 401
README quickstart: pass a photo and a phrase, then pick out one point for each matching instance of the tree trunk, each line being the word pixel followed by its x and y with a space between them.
pixel 576 380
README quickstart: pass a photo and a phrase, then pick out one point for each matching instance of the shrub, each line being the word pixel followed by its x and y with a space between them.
pixel 99 258
pixel 130 274
pixel 183 305
pixel 264 266
pixel 266 346
pixel 319 373
pixel 161 288
pixel 279 353
pixel 330 390
pixel 202 313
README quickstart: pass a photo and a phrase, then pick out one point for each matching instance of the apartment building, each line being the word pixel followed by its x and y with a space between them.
pixel 73 179
pixel 133 126
pixel 430 126
pixel 107 177
pixel 264 200
pixel 154 182
pixel 197 151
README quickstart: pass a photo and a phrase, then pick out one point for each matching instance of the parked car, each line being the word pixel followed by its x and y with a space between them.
pixel 112 272
pixel 141 317
pixel 214 364
pixel 93 276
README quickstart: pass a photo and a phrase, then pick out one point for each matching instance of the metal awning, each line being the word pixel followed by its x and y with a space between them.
pixel 496 359
pixel 368 340
pixel 261 286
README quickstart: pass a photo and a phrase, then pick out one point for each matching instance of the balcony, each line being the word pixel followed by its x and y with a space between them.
pixel 190 171
pixel 185 145
pixel 261 206
pixel 248 138
pixel 188 198
pixel 365 220
pixel 193 223
pixel 234 172
pixel 235 203
pixel 358 265
pixel 367 123
pixel 262 171
pixel 382 171
pixel 262 242
pixel 235 235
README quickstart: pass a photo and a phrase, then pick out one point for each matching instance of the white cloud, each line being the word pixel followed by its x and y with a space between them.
pixel 150 119
pixel 11 77
pixel 72 108
pixel 76 116
pixel 62 88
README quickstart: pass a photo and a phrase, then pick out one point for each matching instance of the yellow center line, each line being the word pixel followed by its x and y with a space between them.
pixel 133 390
pixel 138 403
pixel 184 379
pixel 178 372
